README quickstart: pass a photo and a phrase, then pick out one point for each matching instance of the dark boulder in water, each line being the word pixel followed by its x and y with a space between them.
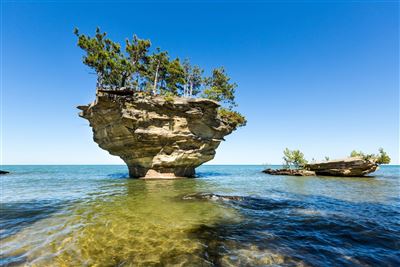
pixel 4 172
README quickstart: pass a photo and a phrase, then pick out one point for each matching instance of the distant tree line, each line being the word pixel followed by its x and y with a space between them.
pixel 140 68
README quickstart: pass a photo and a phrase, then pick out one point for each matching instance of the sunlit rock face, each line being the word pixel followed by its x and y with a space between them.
pixel 353 166
pixel 155 136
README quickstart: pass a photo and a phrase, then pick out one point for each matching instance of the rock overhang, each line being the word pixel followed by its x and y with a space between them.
pixel 154 135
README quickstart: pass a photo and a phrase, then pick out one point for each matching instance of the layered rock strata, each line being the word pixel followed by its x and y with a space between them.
pixel 353 166
pixel 156 136
pixel 348 167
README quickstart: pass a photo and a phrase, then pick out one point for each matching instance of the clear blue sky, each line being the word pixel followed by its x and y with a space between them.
pixel 320 77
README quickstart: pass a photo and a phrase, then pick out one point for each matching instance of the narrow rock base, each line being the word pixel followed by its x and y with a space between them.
pixel 175 173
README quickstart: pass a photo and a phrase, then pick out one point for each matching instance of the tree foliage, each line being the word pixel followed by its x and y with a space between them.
pixel 137 50
pixel 235 119
pixel 293 158
pixel 175 76
pixel 381 158
pixel 193 79
pixel 219 87
pixel 113 68
pixel 140 68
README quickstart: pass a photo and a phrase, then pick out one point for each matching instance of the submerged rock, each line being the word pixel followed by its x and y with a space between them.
pixel 4 172
pixel 155 137
pixel 292 172
pixel 210 196
pixel 353 166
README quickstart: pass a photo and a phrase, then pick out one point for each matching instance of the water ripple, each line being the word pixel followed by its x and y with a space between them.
pixel 314 231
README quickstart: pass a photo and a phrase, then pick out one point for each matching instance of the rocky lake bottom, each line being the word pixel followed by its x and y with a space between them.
pixel 228 216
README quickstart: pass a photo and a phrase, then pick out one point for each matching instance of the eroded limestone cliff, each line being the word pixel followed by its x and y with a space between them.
pixel 156 136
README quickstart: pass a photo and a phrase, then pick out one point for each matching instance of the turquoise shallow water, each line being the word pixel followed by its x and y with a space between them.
pixel 94 215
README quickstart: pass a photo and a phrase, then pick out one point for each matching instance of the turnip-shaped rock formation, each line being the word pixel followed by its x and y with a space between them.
pixel 157 136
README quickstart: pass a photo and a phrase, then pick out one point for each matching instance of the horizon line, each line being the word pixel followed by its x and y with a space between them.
pixel 103 164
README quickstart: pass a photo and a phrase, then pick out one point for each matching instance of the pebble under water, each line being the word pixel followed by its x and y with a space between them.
pixel 228 216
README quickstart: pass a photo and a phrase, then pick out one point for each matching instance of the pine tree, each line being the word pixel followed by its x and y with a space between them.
pixel 293 158
pixel 187 68
pixel 156 70
pixel 175 77
pixel 155 73
pixel 219 88
pixel 137 54
pixel 193 79
pixel 105 57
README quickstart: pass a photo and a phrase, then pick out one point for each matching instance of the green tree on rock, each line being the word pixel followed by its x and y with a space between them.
pixel 140 68
pixel 381 158
pixel 193 79
pixel 113 69
pixel 233 118
pixel 156 70
pixel 219 87
pixel 137 50
pixel 175 77
pixel 293 158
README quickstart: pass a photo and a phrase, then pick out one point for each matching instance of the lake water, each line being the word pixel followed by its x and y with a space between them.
pixel 94 215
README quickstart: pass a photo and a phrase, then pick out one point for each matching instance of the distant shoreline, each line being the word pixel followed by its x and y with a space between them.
pixel 62 164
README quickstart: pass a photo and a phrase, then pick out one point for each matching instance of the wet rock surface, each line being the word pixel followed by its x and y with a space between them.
pixel 155 137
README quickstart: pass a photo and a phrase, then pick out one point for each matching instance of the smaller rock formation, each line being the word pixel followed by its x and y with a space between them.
pixel 4 172
pixel 348 167
pixel 292 172
pixel 353 166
